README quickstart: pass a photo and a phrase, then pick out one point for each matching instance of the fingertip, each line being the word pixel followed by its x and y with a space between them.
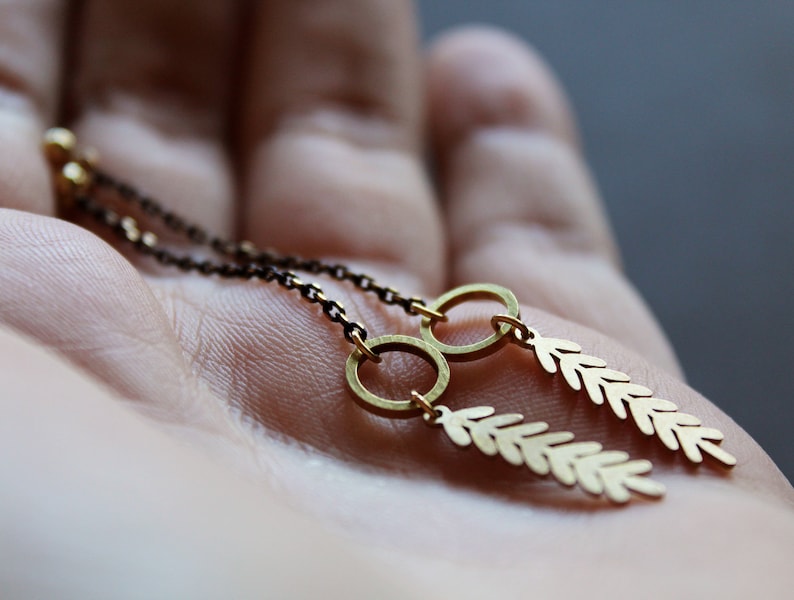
pixel 483 77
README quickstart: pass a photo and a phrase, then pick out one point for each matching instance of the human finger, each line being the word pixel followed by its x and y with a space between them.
pixel 31 36
pixel 113 328
pixel 521 207
pixel 150 89
pixel 330 136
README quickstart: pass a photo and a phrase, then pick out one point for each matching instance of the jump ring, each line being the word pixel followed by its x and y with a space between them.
pixel 424 311
pixel 362 346
pixel 399 343
pixel 476 291
pixel 425 405
pixel 520 329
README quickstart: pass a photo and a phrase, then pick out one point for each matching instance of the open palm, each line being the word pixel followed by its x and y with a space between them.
pixel 303 127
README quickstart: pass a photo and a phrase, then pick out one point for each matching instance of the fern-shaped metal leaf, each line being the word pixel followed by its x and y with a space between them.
pixel 652 416
pixel 597 471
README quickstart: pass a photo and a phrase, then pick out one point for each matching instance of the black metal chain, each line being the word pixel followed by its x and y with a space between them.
pixel 146 243
pixel 77 183
pixel 246 251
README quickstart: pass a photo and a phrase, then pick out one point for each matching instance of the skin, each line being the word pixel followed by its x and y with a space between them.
pixel 169 435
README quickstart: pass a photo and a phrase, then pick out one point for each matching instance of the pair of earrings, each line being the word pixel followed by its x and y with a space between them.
pixel 80 185
pixel 600 472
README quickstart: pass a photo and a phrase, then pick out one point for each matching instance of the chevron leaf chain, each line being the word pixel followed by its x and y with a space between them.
pixel 597 471
pixel 653 416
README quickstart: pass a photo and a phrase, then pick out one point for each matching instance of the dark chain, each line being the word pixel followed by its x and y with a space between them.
pixel 146 243
pixel 78 179
pixel 245 251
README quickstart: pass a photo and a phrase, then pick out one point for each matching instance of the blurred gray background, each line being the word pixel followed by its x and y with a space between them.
pixel 687 113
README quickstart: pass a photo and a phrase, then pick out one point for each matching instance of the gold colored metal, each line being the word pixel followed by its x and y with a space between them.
pixel 247 247
pixel 476 291
pixel 597 471
pixel 149 239
pixel 652 416
pixel 133 235
pixel 131 230
pixel 422 310
pixel 59 145
pixel 422 402
pixel 402 343
pixel 600 472
pixel 128 223
pixel 363 348
pixel 520 329
pixel 73 178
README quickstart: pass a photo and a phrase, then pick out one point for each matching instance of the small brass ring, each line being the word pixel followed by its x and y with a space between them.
pixel 363 348
pixel 402 343
pixel 520 329
pixel 421 309
pixel 476 291
pixel 422 402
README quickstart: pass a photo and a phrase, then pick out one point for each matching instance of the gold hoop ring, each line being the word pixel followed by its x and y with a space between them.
pixel 475 291
pixel 401 343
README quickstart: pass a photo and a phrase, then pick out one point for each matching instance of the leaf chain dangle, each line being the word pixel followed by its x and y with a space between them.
pixel 600 472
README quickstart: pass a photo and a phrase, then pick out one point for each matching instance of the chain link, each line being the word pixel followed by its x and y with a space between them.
pixel 77 181
pixel 246 251
pixel 265 266
pixel 146 243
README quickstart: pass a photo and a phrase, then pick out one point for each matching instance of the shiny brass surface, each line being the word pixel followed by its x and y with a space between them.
pixel 399 343
pixel 82 185
pixel 424 311
pixel 459 295
pixel 597 471
pixel 72 179
pixel 653 416
pixel 422 403
pixel 520 329
pixel 59 145
pixel 362 347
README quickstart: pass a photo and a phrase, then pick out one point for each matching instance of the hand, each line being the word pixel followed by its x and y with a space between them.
pixel 301 127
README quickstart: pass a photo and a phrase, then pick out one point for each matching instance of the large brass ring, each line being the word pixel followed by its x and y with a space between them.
pixel 401 343
pixel 475 291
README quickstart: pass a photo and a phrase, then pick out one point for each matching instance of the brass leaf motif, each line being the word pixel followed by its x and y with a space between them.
pixel 597 471
pixel 652 416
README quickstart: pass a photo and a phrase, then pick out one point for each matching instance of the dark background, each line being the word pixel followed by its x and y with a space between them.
pixel 687 113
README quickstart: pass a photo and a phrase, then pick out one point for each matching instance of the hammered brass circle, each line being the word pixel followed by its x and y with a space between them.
pixel 399 343
pixel 459 295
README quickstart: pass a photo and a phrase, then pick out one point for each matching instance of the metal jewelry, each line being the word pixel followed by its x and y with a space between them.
pixel 608 473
